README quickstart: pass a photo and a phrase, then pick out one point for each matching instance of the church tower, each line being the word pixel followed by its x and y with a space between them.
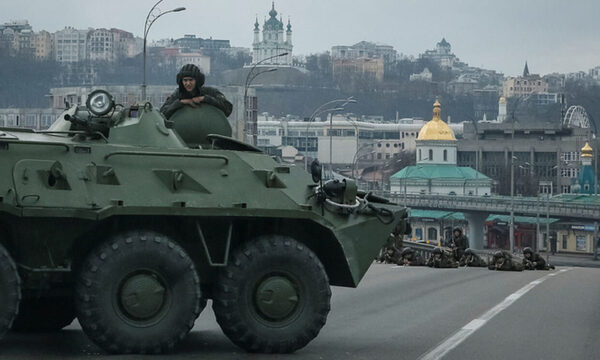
pixel 273 43
pixel 436 143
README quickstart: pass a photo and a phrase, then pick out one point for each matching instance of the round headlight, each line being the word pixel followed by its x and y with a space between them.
pixel 99 102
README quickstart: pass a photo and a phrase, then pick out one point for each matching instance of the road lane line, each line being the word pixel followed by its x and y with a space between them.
pixel 463 333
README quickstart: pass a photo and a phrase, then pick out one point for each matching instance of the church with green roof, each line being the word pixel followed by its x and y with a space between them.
pixel 436 171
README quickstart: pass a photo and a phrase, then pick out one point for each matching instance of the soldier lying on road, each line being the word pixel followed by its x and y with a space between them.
pixel 470 258
pixel 534 261
pixel 504 261
pixel 410 258
pixel 442 259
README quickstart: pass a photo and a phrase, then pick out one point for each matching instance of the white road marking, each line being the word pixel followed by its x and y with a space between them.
pixel 462 334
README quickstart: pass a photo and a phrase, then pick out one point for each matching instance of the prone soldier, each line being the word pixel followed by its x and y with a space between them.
pixel 534 261
pixel 390 253
pixel 442 258
pixel 470 258
pixel 410 258
pixel 504 261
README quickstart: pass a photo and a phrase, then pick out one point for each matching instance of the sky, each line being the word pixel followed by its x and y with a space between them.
pixel 551 35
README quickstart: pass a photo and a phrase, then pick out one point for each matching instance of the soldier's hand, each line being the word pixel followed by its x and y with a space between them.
pixel 189 102
pixel 198 99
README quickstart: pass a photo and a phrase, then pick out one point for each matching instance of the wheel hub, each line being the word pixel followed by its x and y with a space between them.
pixel 276 298
pixel 142 296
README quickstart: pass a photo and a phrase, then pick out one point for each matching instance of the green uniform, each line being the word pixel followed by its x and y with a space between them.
pixel 536 262
pixel 442 259
pixel 211 95
pixel 504 261
pixel 470 258
pixel 410 258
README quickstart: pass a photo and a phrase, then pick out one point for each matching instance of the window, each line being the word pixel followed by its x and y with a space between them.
pixel 379 156
pixel 432 234
pixel 564 241
pixel 445 155
pixel 419 154
pixel 581 243
pixel 419 233
pixel 430 155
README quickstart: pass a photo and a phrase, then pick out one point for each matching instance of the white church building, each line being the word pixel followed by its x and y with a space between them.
pixel 273 41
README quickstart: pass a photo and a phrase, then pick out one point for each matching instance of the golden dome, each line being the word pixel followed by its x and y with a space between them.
pixel 502 100
pixel 587 150
pixel 436 129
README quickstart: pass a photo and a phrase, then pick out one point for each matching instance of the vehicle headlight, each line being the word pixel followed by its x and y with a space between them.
pixel 100 102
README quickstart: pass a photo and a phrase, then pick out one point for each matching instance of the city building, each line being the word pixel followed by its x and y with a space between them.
pixel 436 171
pixel 179 58
pixel 31 118
pixel 524 85
pixel 546 155
pixel 442 55
pixel 100 43
pixel 273 42
pixel 195 44
pixel 43 44
pixel 365 49
pixel 14 36
pixel 370 68
pixel 353 140
pixel 586 179
pixel 70 45
pixel 424 75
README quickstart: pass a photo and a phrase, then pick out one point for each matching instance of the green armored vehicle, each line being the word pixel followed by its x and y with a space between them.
pixel 112 217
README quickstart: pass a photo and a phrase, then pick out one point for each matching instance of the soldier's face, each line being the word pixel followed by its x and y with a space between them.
pixel 189 83
pixel 457 233
pixel 437 256
pixel 527 255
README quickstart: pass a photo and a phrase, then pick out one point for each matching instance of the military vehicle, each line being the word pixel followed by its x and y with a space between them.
pixel 114 217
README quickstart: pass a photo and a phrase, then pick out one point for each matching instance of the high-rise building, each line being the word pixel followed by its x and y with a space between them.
pixel 273 42
pixel 42 44
pixel 100 45
pixel 70 45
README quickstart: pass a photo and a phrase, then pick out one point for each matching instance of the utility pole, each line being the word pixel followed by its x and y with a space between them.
pixel 512 189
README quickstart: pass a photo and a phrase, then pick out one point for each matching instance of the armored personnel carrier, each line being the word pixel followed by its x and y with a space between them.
pixel 130 223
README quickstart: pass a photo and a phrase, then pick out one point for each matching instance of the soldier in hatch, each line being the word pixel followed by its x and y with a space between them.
pixel 191 92
pixel 470 258
pixel 410 258
pixel 534 261
pixel 504 261
pixel 442 258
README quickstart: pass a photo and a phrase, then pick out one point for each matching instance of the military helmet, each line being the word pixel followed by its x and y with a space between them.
pixel 499 254
pixel 407 251
pixel 457 229
pixel 468 251
pixel 527 250
pixel 437 251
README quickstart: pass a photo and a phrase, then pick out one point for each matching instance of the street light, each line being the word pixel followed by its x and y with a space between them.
pixel 147 24
pixel 320 110
pixel 252 129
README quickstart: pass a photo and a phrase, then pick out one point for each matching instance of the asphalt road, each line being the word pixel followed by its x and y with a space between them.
pixel 409 313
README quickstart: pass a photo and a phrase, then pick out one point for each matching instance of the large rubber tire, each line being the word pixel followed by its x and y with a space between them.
pixel 273 296
pixel 10 291
pixel 139 292
pixel 44 314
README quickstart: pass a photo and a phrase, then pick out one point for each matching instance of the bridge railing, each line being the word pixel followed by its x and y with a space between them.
pixel 501 204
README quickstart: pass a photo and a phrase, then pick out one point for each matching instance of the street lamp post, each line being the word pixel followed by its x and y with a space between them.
pixel 251 131
pixel 147 24
pixel 254 131
pixel 512 190
pixel 319 111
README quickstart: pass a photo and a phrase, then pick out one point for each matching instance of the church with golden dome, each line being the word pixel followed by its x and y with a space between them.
pixel 436 171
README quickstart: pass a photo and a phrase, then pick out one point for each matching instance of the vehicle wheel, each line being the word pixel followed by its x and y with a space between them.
pixel 44 314
pixel 10 291
pixel 273 296
pixel 138 293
